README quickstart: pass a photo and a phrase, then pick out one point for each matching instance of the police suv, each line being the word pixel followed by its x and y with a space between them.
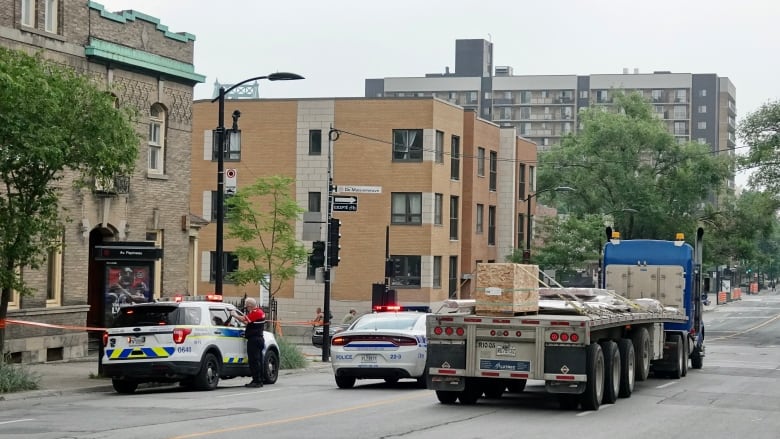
pixel 194 343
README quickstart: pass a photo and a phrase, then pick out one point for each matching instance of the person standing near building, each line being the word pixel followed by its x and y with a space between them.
pixel 255 343
pixel 350 317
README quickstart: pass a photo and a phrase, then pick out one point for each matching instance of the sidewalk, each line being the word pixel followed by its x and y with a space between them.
pixel 80 376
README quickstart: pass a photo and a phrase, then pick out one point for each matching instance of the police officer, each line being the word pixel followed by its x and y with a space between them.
pixel 255 325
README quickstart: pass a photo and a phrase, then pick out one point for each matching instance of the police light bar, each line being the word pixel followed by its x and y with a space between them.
pixel 396 308
pixel 214 298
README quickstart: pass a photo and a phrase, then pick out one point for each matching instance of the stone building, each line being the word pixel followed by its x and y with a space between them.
pixel 131 238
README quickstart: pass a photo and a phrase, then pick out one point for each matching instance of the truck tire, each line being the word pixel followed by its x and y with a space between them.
pixel 495 390
pixel 471 393
pixel 594 368
pixel 612 371
pixel 446 397
pixel 208 375
pixel 125 387
pixel 697 361
pixel 627 367
pixel 516 386
pixel 686 346
pixel 641 340
pixel 345 382
pixel 679 357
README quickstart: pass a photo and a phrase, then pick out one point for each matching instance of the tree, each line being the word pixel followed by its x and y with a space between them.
pixel 56 128
pixel 624 157
pixel 262 216
pixel 761 132
pixel 568 242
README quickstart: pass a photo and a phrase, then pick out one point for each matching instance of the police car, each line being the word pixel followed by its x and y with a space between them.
pixel 194 343
pixel 387 345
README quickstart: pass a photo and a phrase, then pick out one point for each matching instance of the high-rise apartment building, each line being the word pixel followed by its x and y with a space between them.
pixel 699 107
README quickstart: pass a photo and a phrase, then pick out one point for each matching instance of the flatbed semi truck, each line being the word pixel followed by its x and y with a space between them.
pixel 589 346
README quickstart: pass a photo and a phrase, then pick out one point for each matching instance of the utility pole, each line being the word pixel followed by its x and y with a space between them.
pixel 332 136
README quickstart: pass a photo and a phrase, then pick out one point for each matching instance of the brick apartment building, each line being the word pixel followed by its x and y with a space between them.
pixel 448 190
pixel 149 68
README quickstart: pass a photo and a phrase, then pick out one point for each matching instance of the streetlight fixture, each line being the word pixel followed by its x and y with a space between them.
pixel 527 252
pixel 278 76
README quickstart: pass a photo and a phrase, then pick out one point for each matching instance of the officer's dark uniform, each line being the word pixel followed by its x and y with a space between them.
pixel 254 345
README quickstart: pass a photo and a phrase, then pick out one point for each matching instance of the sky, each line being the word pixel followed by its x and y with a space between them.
pixel 337 44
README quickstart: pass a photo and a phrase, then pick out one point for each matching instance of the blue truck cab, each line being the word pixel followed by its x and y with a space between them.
pixel 667 271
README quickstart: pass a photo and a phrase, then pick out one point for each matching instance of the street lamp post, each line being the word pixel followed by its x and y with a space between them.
pixel 527 252
pixel 220 131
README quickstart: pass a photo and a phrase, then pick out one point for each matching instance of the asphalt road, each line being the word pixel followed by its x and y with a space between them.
pixel 736 394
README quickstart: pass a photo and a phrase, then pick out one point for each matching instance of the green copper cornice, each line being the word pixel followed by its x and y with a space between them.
pixel 125 16
pixel 114 52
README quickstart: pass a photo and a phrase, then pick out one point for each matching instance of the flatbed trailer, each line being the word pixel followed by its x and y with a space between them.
pixel 589 346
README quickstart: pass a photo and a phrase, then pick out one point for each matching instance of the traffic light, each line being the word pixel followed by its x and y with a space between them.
pixel 317 256
pixel 334 235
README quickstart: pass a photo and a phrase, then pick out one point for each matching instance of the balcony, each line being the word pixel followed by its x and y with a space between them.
pixel 109 187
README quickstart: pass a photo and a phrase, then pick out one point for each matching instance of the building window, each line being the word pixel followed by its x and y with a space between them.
pixel 680 112
pixel 156 139
pixel 437 272
pixel 51 12
pixel 520 231
pixel 54 275
pixel 480 216
pixel 406 271
pixel 532 178
pixel 229 265
pixel 311 271
pixel 315 142
pixel 681 95
pixel 481 162
pixel 214 205
pixel 438 202
pixel 702 108
pixel 703 92
pixel 439 153
pixel 407 145
pixel 315 202
pixel 702 140
pixel 493 170
pixel 453 277
pixel 583 94
pixel 491 225
pixel 680 128
pixel 28 13
pixel 453 218
pixel 406 208
pixel 521 184
pixel 455 159
pixel 702 125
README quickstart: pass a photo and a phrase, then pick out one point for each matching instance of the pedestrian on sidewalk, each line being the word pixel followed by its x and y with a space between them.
pixel 255 343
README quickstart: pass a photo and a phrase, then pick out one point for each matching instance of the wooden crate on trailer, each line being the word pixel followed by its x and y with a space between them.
pixel 506 289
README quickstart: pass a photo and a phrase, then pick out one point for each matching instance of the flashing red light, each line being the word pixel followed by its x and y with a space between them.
pixel 180 334
pixel 449 330
pixel 437 330
pixel 564 336
pixel 214 298
pixel 105 339
pixel 178 298
pixel 460 331
pixel 387 308
pixel 574 338
pixel 553 336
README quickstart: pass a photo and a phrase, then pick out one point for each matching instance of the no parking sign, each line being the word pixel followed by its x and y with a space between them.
pixel 231 175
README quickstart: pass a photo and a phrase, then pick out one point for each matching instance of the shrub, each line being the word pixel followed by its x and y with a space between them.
pixel 291 355
pixel 15 378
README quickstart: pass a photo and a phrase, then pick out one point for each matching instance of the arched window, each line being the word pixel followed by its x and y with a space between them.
pixel 157 139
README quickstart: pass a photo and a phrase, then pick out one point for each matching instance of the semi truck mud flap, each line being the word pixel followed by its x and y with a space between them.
pixel 445 363
pixel 565 362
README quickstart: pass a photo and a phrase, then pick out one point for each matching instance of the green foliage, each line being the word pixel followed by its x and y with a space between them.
pixel 290 355
pixel 627 159
pixel 56 128
pixel 569 241
pixel 15 378
pixel 262 216
pixel 760 130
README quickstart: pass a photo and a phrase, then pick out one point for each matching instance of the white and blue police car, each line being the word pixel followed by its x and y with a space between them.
pixel 195 343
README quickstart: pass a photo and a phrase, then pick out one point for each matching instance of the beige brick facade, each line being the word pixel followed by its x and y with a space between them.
pixel 275 140
pixel 90 39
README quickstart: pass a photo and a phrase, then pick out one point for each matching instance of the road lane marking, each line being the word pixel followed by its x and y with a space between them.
pixel 15 420
pixel 230 395
pixel 671 383
pixel 302 418
pixel 760 325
